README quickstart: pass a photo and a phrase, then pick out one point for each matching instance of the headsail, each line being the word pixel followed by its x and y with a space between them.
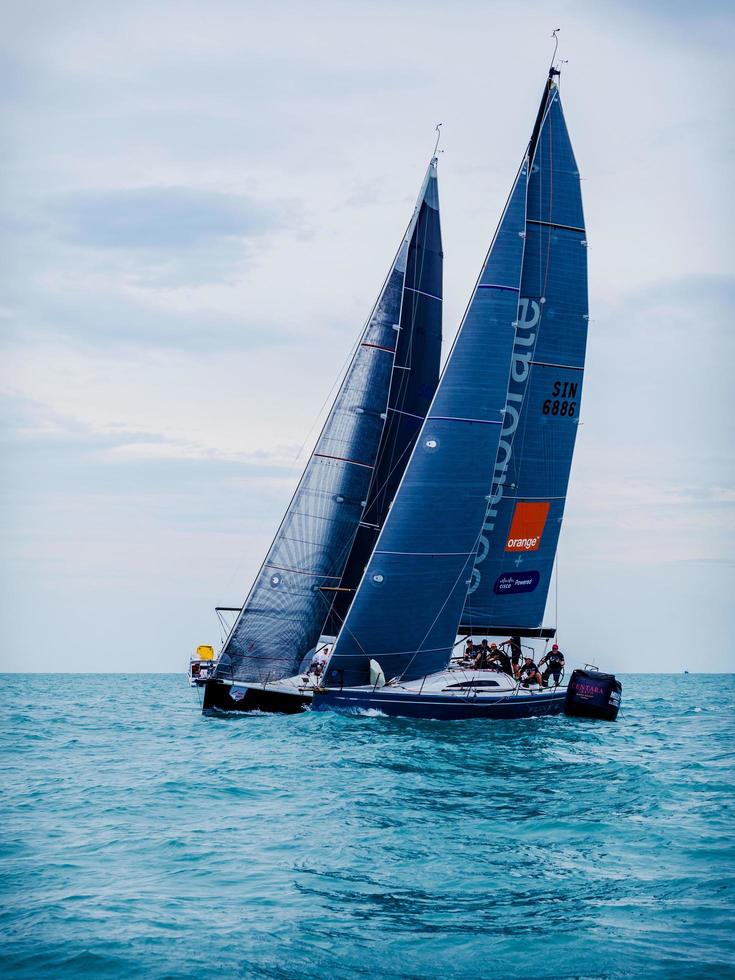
pixel 283 614
pixel 515 558
pixel 414 381
pixel 406 610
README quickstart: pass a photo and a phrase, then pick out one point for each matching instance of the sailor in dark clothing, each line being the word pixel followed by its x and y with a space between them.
pixel 554 661
pixel 499 660
pixel 514 646
pixel 469 650
pixel 483 656
pixel 529 672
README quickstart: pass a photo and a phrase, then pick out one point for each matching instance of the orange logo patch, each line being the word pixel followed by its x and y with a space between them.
pixel 527 527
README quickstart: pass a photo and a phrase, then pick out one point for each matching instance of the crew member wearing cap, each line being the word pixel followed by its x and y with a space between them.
pixel 529 672
pixel 554 661
pixel 499 660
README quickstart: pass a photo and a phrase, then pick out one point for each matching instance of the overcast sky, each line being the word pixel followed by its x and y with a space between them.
pixel 200 201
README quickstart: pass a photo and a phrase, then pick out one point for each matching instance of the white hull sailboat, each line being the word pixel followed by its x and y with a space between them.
pixel 467 542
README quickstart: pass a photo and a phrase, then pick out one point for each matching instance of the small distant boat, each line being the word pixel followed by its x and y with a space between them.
pixel 201 664
pixel 309 576
pixel 469 545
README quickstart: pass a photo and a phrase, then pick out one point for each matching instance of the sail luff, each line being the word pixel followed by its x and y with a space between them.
pixel 285 608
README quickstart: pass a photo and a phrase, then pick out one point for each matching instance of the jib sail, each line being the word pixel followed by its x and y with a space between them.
pixel 283 615
pixel 414 381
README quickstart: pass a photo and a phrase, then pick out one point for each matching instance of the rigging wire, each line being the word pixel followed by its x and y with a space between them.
pixel 556 596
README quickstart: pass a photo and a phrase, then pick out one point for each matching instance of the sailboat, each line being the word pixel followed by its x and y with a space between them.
pixel 309 576
pixel 469 544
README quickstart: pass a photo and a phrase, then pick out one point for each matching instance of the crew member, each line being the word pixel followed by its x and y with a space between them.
pixel 469 650
pixel 318 662
pixel 499 660
pixel 554 661
pixel 514 646
pixel 529 672
pixel 483 654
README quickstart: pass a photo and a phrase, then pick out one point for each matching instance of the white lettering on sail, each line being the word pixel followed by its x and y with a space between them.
pixel 529 313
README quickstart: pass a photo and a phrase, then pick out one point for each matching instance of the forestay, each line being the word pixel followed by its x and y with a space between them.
pixel 406 610
pixel 515 556
pixel 282 617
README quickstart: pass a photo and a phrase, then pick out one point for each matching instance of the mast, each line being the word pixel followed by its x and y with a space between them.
pixel 548 88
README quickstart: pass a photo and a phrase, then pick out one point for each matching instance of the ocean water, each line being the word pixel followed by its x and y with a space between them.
pixel 141 839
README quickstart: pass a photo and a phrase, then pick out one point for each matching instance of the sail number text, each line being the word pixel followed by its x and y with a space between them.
pixel 563 399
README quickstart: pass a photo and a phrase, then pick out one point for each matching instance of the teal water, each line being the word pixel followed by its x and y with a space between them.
pixel 140 839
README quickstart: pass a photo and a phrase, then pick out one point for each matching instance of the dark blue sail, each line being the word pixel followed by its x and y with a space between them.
pixel 414 381
pixel 282 617
pixel 517 548
pixel 408 604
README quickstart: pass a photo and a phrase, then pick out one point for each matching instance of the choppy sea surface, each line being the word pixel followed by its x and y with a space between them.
pixel 141 839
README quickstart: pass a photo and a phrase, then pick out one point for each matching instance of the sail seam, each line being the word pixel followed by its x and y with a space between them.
pixel 524 496
pixel 555 224
pixel 388 350
pixel 410 415
pixel 567 367
pixel 452 418
pixel 343 459
pixel 427 554
pixel 285 568
pixel 422 293
pixel 495 285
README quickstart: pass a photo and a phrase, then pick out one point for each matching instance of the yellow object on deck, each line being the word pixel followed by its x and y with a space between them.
pixel 205 652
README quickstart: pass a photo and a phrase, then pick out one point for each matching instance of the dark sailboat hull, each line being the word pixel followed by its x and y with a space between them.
pixel 403 704
pixel 218 699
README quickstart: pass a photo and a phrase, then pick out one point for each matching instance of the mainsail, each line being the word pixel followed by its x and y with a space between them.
pixel 406 610
pixel 486 482
pixel 515 557
pixel 393 370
